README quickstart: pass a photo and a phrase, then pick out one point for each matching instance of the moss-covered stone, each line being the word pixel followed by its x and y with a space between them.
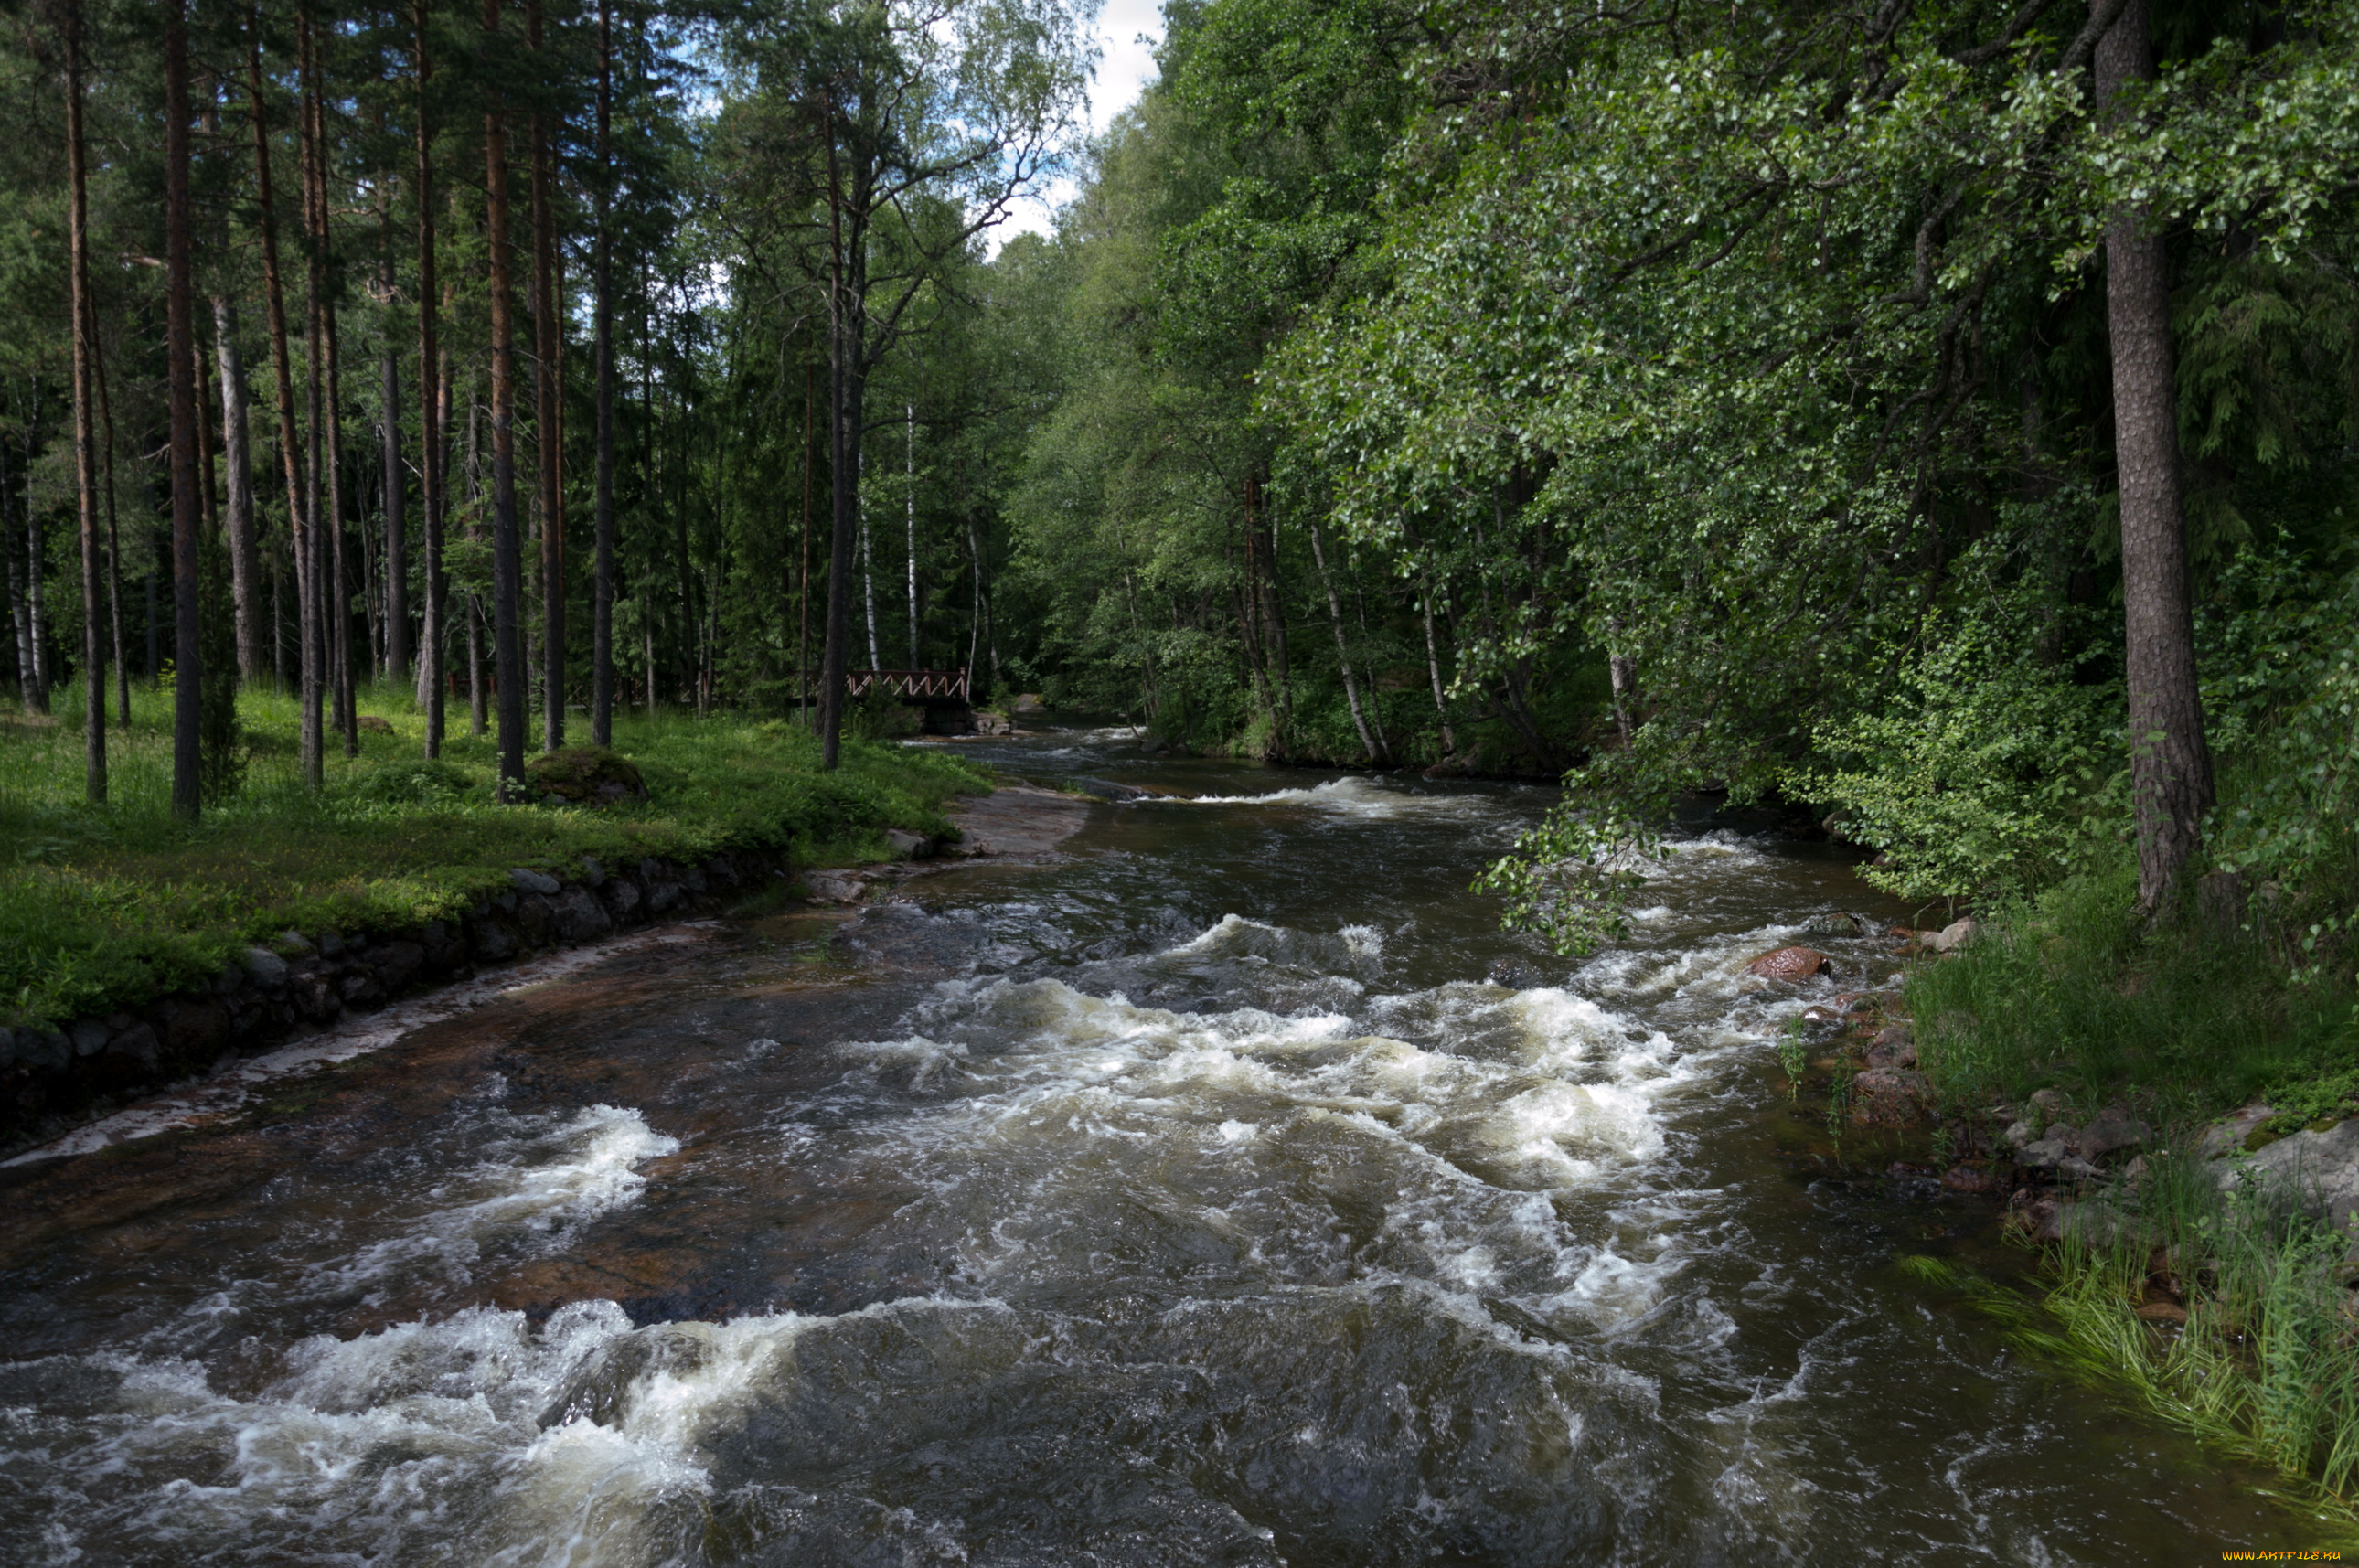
pixel 585 776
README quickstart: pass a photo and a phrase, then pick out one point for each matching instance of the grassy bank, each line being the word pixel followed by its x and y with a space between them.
pixel 2221 1311
pixel 2073 991
pixel 2225 1309
pixel 104 907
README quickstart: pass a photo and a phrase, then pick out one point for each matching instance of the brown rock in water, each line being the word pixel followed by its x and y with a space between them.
pixel 1890 1097
pixel 1895 1045
pixel 2163 1311
pixel 1789 963
pixel 1974 1178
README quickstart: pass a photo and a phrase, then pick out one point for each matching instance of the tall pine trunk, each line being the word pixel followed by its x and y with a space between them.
pixel 391 497
pixel 290 451
pixel 507 651
pixel 2170 763
pixel 847 395
pixel 432 634
pixel 332 578
pixel 548 419
pixel 237 461
pixel 180 377
pixel 114 538
pixel 601 609
pixel 93 656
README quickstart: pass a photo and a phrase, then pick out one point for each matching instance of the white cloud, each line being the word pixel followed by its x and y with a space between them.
pixel 1128 32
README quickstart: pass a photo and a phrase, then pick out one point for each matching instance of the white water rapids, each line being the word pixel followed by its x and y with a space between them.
pixel 1197 1201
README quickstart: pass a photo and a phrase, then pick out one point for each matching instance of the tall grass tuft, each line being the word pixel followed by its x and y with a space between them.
pixel 2265 1364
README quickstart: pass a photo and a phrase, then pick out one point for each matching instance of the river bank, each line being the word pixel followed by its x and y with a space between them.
pixel 137 950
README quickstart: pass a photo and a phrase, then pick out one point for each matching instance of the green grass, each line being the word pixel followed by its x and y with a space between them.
pixel 106 907
pixel 2074 992
pixel 2266 1365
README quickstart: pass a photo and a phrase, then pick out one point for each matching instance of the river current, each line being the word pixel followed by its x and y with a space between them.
pixel 1229 1189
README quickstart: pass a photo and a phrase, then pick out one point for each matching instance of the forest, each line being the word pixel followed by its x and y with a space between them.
pixel 1756 402
pixel 1930 428
pixel 1935 421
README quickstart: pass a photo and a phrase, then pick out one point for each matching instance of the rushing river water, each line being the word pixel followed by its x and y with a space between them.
pixel 1197 1198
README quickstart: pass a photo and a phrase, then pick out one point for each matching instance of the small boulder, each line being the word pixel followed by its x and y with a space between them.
pixel 579 917
pixel 1895 1045
pixel 1789 963
pixel 1974 1179
pixel 1029 702
pixel 908 845
pixel 1951 937
pixel 1836 925
pixel 585 775
pixel 835 886
pixel 2320 1168
pixel 2229 1136
pixel 2114 1128
pixel 621 897
pixel 1890 1097
pixel 2051 1149
pixel 529 881
pixel 2043 1215
pixel 89 1036
pixel 267 968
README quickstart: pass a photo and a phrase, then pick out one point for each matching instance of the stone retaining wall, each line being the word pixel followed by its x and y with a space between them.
pixel 51 1079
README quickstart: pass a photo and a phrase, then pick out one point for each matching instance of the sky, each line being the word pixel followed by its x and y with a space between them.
pixel 1128 31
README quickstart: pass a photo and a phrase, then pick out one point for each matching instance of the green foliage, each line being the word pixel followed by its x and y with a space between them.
pixel 2072 989
pixel 107 908
pixel 1988 772
pixel 412 782
pixel 1570 878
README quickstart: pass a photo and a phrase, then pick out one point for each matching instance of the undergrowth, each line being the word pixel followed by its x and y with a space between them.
pixel 2072 991
pixel 2265 1362
pixel 105 907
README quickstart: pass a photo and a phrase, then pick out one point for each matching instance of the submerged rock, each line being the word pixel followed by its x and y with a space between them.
pixel 1890 1097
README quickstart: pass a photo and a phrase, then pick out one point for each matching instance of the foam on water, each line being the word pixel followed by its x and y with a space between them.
pixel 545 1183
pixel 1357 795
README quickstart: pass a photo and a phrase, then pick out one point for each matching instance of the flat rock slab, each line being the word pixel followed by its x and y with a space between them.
pixel 1017 822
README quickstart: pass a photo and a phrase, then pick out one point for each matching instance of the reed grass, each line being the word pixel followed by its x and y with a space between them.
pixel 2266 1365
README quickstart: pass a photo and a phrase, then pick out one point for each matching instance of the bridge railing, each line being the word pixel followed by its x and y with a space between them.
pixel 913 685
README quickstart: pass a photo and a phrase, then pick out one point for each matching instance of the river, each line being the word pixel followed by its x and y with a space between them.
pixel 1195 1198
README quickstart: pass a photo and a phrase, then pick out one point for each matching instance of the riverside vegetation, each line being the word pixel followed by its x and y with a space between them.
pixel 107 908
pixel 1936 418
